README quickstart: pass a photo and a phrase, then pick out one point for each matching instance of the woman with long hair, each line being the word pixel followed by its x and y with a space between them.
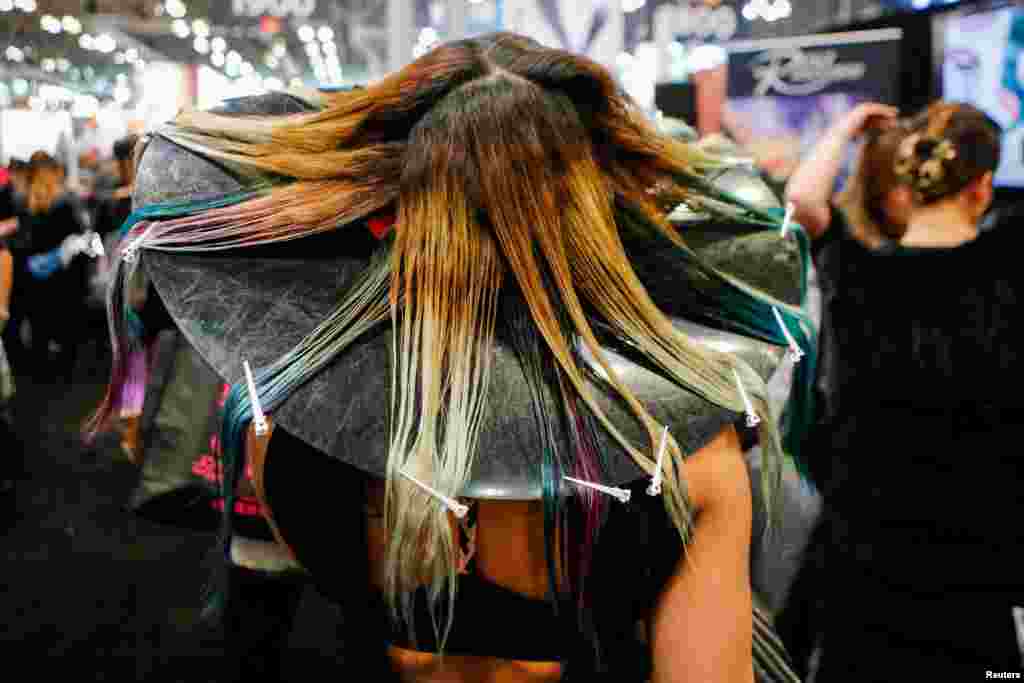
pixel 454 288
pixel 922 493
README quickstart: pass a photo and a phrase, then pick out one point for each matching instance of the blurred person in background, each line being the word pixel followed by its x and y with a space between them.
pixel 10 453
pixel 922 494
pixel 53 304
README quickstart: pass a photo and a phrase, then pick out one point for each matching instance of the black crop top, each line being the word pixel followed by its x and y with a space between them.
pixel 639 547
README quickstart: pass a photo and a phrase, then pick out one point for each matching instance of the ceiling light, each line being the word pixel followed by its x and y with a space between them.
pixel 325 34
pixel 218 44
pixel 14 54
pixel 176 8
pixel 49 65
pixel 71 24
pixel 306 34
pixel 217 58
pixel 86 41
pixel 131 54
pixel 6 5
pixel 25 5
pixel 201 45
pixel 106 43
pixel 247 69
pixel 180 28
pixel 50 23
pixel 234 58
pixel 200 28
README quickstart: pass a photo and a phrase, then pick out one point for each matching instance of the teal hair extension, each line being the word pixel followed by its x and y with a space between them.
pixel 727 302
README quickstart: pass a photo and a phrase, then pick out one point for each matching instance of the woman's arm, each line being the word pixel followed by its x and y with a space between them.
pixel 811 186
pixel 701 628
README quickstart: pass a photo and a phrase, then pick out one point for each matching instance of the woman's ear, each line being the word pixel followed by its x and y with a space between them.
pixel 978 195
pixel 899 202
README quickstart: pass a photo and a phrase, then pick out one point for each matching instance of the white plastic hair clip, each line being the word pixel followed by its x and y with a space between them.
pixel 457 508
pixel 259 421
pixel 94 246
pixel 131 251
pixel 623 495
pixel 752 418
pixel 655 487
pixel 787 219
pixel 795 352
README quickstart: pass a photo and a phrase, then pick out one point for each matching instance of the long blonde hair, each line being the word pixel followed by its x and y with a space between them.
pixel 510 168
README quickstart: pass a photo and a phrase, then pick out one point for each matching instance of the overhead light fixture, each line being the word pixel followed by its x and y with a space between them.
pixel 6 5
pixel 201 45
pixel 217 59
pixel 106 43
pixel 234 58
pixel 306 33
pixel 26 5
pixel 49 65
pixel 632 5
pixel 247 69
pixel 71 24
pixel 86 42
pixel 769 10
pixel 50 24
pixel 180 28
pixel 218 44
pixel 176 8
pixel 200 28
pixel 131 54
pixel 15 54
pixel 325 34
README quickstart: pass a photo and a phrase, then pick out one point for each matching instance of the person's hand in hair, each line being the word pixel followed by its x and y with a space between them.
pixel 811 186
pixel 865 117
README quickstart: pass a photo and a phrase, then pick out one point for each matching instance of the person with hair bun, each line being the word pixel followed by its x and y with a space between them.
pixel 922 489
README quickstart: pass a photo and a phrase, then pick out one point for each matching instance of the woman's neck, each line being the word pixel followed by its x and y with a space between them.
pixel 940 225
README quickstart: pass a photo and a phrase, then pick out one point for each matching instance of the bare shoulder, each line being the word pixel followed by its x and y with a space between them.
pixel 717 474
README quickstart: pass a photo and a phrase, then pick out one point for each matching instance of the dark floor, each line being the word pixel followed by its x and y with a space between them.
pixel 85 583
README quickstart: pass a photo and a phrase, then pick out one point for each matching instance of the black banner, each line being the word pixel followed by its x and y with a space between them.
pixel 865 63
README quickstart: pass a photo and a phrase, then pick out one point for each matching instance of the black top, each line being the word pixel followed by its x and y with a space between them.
pixel 922 366
pixel 41 233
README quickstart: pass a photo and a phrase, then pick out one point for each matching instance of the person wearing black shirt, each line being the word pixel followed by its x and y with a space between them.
pixel 920 367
